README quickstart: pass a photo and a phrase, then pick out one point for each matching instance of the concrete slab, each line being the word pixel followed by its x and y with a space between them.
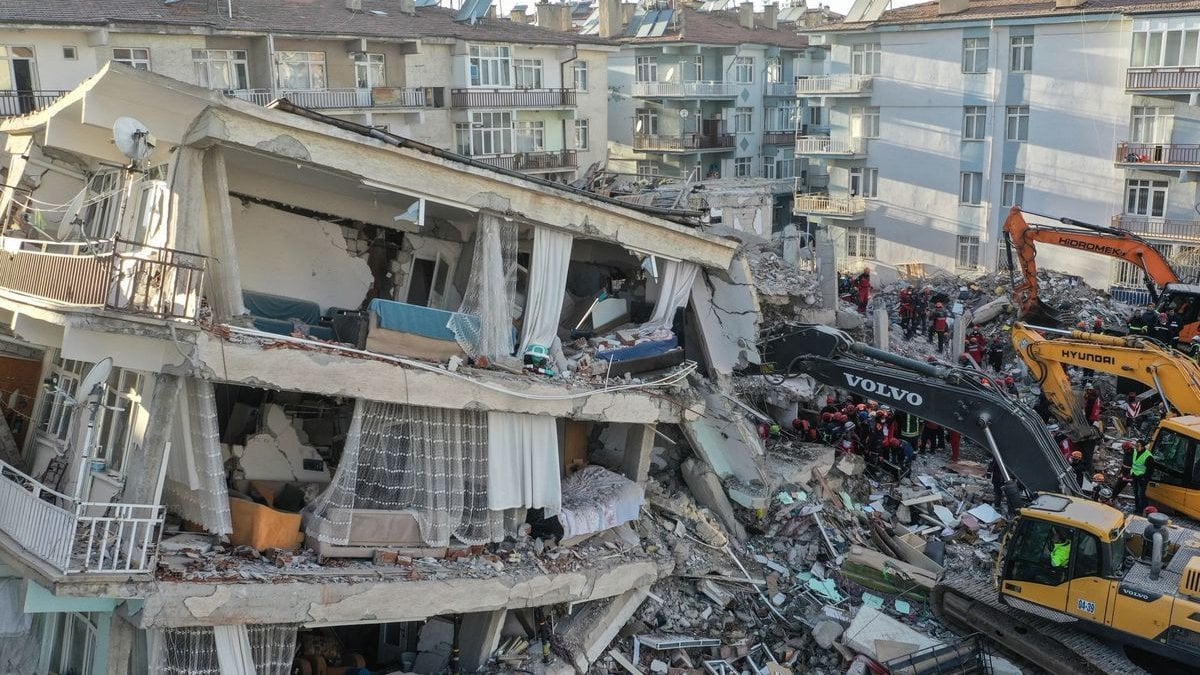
pixel 708 492
pixel 591 629
pixel 872 632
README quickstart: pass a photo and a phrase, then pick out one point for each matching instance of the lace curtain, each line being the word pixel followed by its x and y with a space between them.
pixel 483 325
pixel 200 650
pixel 195 486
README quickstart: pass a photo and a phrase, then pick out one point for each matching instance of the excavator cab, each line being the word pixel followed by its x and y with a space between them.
pixel 1175 473
pixel 1181 304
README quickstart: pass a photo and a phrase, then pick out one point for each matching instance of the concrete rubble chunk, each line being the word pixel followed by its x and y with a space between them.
pixel 875 634
pixel 826 632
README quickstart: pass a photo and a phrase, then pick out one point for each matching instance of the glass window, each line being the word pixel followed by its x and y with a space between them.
pixel 743 167
pixel 743 69
pixel 694 69
pixel 491 66
pixel 529 136
pixel 1022 53
pixel 491 133
pixel 646 121
pixel 968 252
pixel 774 70
pixel 118 418
pixel 133 57
pixel 743 120
pixel 580 71
pixel 527 73
pixel 1164 48
pixel 462 138
pixel 785 168
pixel 1146 198
pixel 768 164
pixel 1014 189
pixel 646 167
pixel 1016 123
pixel 816 115
pixel 1086 559
pixel 971 189
pixel 860 242
pixel 865 59
pixel 583 136
pixel 369 70
pixel 1171 464
pixel 864 122
pixel 864 182
pixel 57 404
pixel 301 71
pixel 647 69
pixel 73 639
pixel 974 122
pixel 1149 124
pixel 221 68
pixel 1029 552
pixel 975 55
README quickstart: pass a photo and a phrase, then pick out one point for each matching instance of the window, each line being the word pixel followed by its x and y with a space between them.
pixel 118 418
pixel 462 138
pixel 221 68
pixel 974 122
pixel 694 70
pixel 1016 123
pixel 1149 124
pixel 103 205
pixel 1021 49
pixel 583 135
pixel 56 413
pixel 975 55
pixel 1170 457
pixel 860 242
pixel 815 116
pixel 768 164
pixel 527 73
pixel 529 136
pixel 864 122
pixel 132 57
pixel 1146 198
pixel 743 167
pixel 1014 189
pixel 743 120
pixel 646 167
pixel 1085 556
pixel 774 70
pixel 646 121
pixel 301 71
pixel 971 191
pixel 490 66
pixel 864 182
pixel 781 118
pixel 647 69
pixel 70 53
pixel 491 133
pixel 968 252
pixel 865 59
pixel 785 168
pixel 72 636
pixel 369 71
pixel 743 69
pixel 1029 552
pixel 580 70
pixel 1165 48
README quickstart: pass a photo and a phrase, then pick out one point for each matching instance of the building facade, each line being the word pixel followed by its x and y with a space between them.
pixel 511 94
pixel 944 115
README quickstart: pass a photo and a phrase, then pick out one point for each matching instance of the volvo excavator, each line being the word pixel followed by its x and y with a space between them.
pixel 1129 582
pixel 1164 285
pixel 1175 476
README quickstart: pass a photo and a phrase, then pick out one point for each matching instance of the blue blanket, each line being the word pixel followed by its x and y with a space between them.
pixel 282 308
pixel 639 351
pixel 415 319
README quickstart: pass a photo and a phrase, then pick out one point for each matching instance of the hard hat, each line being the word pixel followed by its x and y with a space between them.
pixel 1081 325
pixel 1150 509
pixel 1009 380
pixel 830 399
pixel 939 305
pixel 1077 455
pixel 1127 445
pixel 848 426
pixel 1097 478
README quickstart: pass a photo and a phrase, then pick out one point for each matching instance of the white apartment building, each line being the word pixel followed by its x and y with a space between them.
pixel 943 115
pixel 513 95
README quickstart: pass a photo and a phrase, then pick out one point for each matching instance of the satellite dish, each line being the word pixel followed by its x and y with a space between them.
pixel 96 377
pixel 133 139
pixel 683 112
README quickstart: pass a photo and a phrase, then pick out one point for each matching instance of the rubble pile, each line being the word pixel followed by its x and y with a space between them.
pixel 774 276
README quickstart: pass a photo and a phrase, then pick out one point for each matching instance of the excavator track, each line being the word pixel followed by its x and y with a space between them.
pixel 973 606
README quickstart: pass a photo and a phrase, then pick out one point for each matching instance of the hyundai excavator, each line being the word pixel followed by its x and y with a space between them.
pixel 1129 582
pixel 1175 478
pixel 1164 285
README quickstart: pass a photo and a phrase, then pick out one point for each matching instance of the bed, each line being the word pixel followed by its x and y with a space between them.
pixel 595 499
pixel 401 329
pixel 275 314
pixel 642 357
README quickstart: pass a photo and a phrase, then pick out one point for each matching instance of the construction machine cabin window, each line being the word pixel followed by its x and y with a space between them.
pixel 1174 458
pixel 225 69
pixel 1086 556
pixel 1029 553
pixel 1146 198
pixel 491 66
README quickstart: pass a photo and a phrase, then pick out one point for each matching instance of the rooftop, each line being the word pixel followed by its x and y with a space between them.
pixel 723 28
pixel 982 10
pixel 379 18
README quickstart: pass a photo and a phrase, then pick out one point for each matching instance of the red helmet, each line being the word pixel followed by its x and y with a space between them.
pixel 893 442
pixel 1149 510
pixel 825 417
pixel 1127 445
pixel 830 399
pixel 1009 380
pixel 939 305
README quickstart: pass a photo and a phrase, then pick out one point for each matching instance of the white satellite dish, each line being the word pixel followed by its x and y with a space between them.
pixel 96 377
pixel 683 112
pixel 133 139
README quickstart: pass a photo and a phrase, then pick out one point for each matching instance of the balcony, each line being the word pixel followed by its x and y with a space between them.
pixel 512 98
pixel 77 537
pixel 817 180
pixel 779 137
pixel 531 161
pixel 1162 79
pixel 782 89
pixel 1161 229
pixel 255 96
pixel 15 102
pixel 695 89
pixel 834 85
pixel 682 142
pixel 121 276
pixel 809 204
pixel 1157 155
pixel 826 145
pixel 326 99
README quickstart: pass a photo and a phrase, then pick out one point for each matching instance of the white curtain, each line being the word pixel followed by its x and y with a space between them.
pixel 523 466
pixel 261 649
pixel 547 284
pixel 483 325
pixel 233 649
pixel 195 486
pixel 675 281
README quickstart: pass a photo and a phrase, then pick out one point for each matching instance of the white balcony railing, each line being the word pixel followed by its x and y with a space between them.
pixel 330 98
pixel 833 84
pixel 827 145
pixel 255 96
pixel 781 89
pixel 821 204
pixel 78 537
pixel 699 88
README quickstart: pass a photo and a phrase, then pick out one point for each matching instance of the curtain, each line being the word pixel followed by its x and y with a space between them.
pixel 232 645
pixel 195 486
pixel 547 284
pixel 262 649
pixel 483 324
pixel 675 281
pixel 523 467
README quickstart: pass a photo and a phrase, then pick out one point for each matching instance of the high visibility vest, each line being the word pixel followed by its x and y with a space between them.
pixel 1060 554
pixel 911 426
pixel 1138 467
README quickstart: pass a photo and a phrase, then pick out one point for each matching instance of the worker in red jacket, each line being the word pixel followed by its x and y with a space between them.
pixel 939 323
pixel 955 440
pixel 1091 405
pixel 862 285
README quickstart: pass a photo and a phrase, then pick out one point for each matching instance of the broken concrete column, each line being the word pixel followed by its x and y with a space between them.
pixel 145 466
pixel 827 267
pixel 479 637
pixel 958 337
pixel 223 278
pixel 591 629
pixel 120 644
pixel 881 329
pixel 706 488
pixel 639 447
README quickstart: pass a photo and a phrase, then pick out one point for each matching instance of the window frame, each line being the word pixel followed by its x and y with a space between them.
pixel 372 65
pixel 122 403
pixel 646 167
pixel 866 58
pixel 968 250
pixel 974 123
pixel 970 191
pixel 315 69
pixel 527 73
pixel 866 119
pixel 743 69
pixel 975 55
pixel 1012 189
pixel 488 62
pixel 1020 53
pixel 866 178
pixel 584 126
pixel 861 242
pixel 1016 123
pixel 1145 197
pixel 743 120
pixel 579 75
pixel 203 61
pixel 131 59
pixel 774 70
pixel 645 68
pixel 531 133
pixel 647 117
pixel 1034 557
pixel 489 139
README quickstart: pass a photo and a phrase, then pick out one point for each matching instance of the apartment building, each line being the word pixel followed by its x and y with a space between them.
pixel 232 333
pixel 943 115
pixel 511 94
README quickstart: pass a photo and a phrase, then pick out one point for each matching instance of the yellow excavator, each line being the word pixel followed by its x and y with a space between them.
pixel 1175 476
pixel 1092 586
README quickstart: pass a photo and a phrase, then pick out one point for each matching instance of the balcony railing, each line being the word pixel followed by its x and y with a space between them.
pixel 833 84
pixel 1165 154
pixel 824 205
pixel 78 537
pixel 785 89
pixel 330 98
pixel 531 161
pixel 779 137
pixel 117 275
pixel 826 145
pixel 512 98
pixel 1159 228
pixel 682 143
pixel 256 96
pixel 698 88
pixel 378 97
pixel 24 101
pixel 1159 79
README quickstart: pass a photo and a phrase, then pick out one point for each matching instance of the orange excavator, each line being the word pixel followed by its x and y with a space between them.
pixel 1180 301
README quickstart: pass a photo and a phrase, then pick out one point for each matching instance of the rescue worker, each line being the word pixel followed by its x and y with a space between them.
pixel 1077 465
pixel 1060 549
pixel 1125 477
pixel 976 345
pixel 848 443
pixel 902 451
pixel 995 353
pixel 939 325
pixel 862 288
pixel 1132 408
pixel 830 405
pixel 1161 330
pixel 908 317
pixel 1091 405
pixel 997 484
pixel 921 309
pixel 1140 465
pixel 908 427
pixel 933 436
pixel 1100 491
pixel 955 440
pixel 1098 325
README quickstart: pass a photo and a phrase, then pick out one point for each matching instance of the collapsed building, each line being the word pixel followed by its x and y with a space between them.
pixel 270 375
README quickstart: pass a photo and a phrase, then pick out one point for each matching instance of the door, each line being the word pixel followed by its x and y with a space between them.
pixel 1029 572
pixel 23 83
pixel 1171 475
pixel 1089 592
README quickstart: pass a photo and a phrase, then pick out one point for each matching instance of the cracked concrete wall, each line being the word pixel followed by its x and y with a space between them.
pixel 727 309
pixel 279 452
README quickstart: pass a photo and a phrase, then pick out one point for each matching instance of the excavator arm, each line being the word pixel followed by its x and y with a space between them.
pixel 1024 237
pixel 957 398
